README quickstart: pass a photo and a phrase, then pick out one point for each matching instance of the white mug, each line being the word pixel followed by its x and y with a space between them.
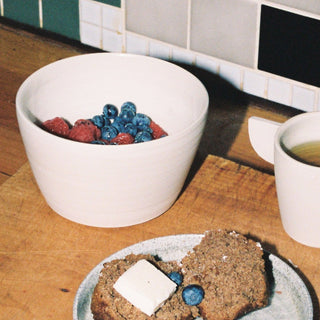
pixel 297 183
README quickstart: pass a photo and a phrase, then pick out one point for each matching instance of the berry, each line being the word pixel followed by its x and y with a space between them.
pixel 109 127
pixel 82 133
pixel 129 106
pixel 142 136
pixel 84 122
pixel 109 132
pixel 96 132
pixel 98 142
pixel 141 121
pixel 176 277
pixel 122 138
pixel 100 121
pixel 127 115
pixel 57 126
pixel 110 111
pixel 157 131
pixel 130 128
pixel 119 124
pixel 192 294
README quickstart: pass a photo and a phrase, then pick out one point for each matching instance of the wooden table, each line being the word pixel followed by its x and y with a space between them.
pixel 44 257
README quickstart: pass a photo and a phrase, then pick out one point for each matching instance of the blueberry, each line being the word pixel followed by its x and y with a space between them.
pixel 110 111
pixel 100 121
pixel 108 132
pixel 142 136
pixel 146 128
pixel 130 128
pixel 141 121
pixel 129 105
pixel 176 277
pixel 192 294
pixel 97 142
pixel 127 115
pixel 119 124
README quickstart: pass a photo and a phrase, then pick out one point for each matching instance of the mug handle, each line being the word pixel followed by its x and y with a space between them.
pixel 261 135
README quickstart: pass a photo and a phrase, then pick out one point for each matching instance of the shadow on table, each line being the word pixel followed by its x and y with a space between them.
pixel 227 110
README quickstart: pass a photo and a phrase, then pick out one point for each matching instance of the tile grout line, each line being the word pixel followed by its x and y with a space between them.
pixel 124 29
pixel 40 14
pixel 101 26
pixel 256 52
pixel 188 25
pixel 316 101
pixel 80 20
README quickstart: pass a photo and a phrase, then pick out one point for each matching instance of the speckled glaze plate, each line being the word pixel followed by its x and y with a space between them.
pixel 289 299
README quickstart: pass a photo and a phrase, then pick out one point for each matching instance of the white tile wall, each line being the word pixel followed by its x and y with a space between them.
pixel 136 44
pixel 254 83
pixel 112 18
pixel 104 26
pixel 232 73
pixel 112 41
pixel 303 98
pixel 183 56
pixel 165 20
pixel 90 11
pixel 228 32
pixel 159 50
pixel 207 63
pixel 279 91
pixel 90 34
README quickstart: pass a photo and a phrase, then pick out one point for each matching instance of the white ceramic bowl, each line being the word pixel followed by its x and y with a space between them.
pixel 111 186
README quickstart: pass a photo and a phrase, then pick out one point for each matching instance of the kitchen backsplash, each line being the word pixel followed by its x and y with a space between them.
pixel 270 49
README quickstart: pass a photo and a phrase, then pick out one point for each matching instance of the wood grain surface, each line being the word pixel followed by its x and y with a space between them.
pixel 21 53
pixel 44 257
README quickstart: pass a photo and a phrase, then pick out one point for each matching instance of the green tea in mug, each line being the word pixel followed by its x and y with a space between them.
pixel 307 152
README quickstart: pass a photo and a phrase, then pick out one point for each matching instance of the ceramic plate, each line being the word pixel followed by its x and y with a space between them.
pixel 290 298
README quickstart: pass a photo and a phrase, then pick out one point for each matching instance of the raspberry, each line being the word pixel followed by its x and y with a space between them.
pixel 84 131
pixel 122 138
pixel 89 124
pixel 81 134
pixel 83 122
pixel 57 126
pixel 157 131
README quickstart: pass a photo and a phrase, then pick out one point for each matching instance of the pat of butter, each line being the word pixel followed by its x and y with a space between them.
pixel 144 286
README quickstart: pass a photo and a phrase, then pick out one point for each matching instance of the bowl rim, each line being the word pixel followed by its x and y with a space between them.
pixel 22 114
